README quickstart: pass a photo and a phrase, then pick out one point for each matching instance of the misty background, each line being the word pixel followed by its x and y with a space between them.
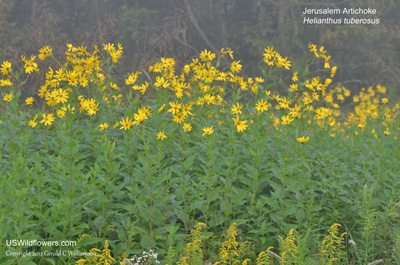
pixel 366 55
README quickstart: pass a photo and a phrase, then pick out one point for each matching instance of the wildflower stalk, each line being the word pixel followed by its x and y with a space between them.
pixel 352 150
pixel 149 177
pixel 209 156
pixel 380 152
pixel 369 221
pixel 166 187
pixel 303 183
pixel 108 156
pixel 354 244
pixel 45 140
pixel 71 194
pixel 129 157
pixel 13 131
pixel 228 175
pixel 256 162
pixel 282 198
pixel 184 186
pixel 54 58
pixel 283 182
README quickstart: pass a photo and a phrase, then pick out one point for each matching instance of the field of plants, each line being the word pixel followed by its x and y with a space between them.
pixel 195 164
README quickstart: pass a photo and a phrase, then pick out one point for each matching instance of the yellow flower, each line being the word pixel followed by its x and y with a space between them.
pixel 228 251
pixel 8 97
pixel 126 124
pixel 386 132
pixel 174 107
pixel 331 248
pixel 60 113
pixel 295 111
pixel 322 52
pixel 6 68
pixel 32 123
pixel 208 130
pixel 186 69
pixel 47 119
pixel 206 56
pixel 236 109
pixel 92 110
pixel 333 71
pixel 187 127
pixel 295 78
pixel 286 120
pixel 144 87
pixel 114 86
pixel 263 257
pixel 167 62
pixel 46 51
pixel 5 82
pixel 161 108
pixel 269 53
pixel 240 125
pixel 30 65
pixel 161 82
pixel 140 116
pixel 208 76
pixel 288 247
pixel 279 61
pixel 286 63
pixel 161 136
pixel 209 98
pixel 262 106
pixel 313 48
pixel 328 81
pixel 294 87
pixel 116 97
pixel 132 78
pixel 179 117
pixel 284 102
pixel 103 126
pixel 235 66
pixel 61 95
pixel 186 110
pixel 29 101
pixel 259 80
pixel 83 81
pixel 303 139
pixel 381 89
pixel 228 51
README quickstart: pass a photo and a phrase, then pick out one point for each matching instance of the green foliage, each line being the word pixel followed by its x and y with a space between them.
pixel 72 180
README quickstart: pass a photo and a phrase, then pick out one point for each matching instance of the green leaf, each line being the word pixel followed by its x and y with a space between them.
pixel 189 161
pixel 50 261
pixel 144 212
pixel 180 214
pixel 89 241
pixel 145 242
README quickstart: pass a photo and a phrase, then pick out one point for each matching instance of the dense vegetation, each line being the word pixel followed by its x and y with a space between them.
pixel 197 132
pixel 141 163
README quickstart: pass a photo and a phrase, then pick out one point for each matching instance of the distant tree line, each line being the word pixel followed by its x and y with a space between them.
pixel 365 54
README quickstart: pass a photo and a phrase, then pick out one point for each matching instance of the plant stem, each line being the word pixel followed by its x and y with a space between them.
pixel 70 179
pixel 184 187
